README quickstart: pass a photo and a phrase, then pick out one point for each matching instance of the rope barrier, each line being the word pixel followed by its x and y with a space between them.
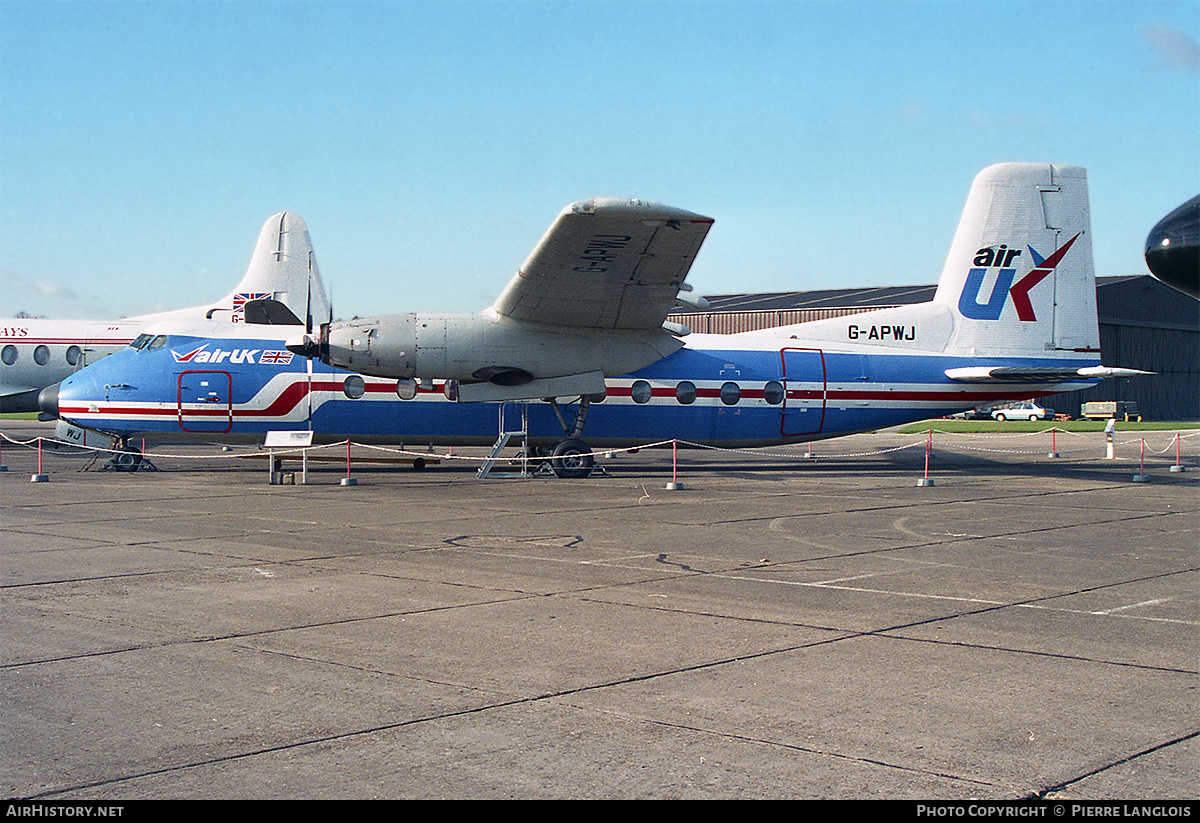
pixel 1172 443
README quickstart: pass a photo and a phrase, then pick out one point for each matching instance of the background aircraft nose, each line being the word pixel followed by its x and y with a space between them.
pixel 48 400
pixel 1173 249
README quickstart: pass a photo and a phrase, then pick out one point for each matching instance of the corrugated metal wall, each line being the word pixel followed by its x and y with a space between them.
pixel 732 322
pixel 1172 393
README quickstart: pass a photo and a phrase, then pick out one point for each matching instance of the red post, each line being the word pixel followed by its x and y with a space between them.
pixel 674 484
pixel 348 480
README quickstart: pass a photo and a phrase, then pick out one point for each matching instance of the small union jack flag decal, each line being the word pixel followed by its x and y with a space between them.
pixel 240 300
pixel 284 357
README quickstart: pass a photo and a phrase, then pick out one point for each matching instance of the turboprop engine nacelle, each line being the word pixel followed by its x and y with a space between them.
pixel 486 348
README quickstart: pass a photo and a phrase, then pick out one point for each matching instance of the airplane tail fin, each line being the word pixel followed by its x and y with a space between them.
pixel 282 283
pixel 1019 279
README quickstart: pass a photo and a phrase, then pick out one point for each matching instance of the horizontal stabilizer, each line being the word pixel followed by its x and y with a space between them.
pixel 1037 374
pixel 268 312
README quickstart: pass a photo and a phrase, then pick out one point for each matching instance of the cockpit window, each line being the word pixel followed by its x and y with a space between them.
pixel 157 343
pixel 140 341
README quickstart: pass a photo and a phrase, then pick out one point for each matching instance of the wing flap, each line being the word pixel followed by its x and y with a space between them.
pixel 607 264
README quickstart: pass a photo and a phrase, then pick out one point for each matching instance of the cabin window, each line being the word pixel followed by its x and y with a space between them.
pixel 773 393
pixel 74 354
pixel 354 387
pixel 639 391
pixel 731 393
pixel 406 389
pixel 41 355
pixel 685 392
pixel 9 355
pixel 599 396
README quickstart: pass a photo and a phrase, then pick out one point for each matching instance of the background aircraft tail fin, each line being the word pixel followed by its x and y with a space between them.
pixel 282 270
pixel 1019 279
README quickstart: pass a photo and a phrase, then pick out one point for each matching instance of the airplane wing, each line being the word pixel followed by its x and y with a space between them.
pixel 1036 374
pixel 607 264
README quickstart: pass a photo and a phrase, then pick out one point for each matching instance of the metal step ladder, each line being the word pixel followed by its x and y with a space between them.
pixel 486 467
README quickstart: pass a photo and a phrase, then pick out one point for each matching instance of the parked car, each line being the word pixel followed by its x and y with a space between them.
pixel 1023 411
pixel 981 413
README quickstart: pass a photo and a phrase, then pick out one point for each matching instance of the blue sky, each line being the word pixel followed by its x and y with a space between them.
pixel 428 145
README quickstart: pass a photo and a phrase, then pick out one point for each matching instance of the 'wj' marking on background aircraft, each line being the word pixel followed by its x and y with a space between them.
pixel 583 321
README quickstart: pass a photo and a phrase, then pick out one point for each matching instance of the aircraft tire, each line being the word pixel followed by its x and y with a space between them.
pixel 572 458
pixel 127 461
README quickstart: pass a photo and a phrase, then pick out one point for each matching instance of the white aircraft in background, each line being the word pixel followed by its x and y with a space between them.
pixel 1014 317
pixel 282 286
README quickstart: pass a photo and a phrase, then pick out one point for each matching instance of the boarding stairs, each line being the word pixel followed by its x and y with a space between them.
pixel 505 435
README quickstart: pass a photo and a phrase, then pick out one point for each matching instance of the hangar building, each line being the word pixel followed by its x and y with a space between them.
pixel 1143 325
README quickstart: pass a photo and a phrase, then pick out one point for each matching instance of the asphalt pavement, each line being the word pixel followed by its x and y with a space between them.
pixel 779 626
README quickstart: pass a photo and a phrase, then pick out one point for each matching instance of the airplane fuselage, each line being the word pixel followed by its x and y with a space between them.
pixel 722 390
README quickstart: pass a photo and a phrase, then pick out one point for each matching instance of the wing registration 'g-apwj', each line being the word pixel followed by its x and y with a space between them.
pixel 607 264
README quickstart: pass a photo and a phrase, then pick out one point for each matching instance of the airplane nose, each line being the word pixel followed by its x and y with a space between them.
pixel 48 400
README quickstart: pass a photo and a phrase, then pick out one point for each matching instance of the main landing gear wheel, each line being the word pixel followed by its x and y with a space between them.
pixel 572 458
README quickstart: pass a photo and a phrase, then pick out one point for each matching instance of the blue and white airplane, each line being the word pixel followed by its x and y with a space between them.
pixel 583 322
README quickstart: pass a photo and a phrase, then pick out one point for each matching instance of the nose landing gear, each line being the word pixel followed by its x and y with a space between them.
pixel 128 459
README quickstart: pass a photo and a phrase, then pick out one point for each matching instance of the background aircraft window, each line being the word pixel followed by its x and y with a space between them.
pixel 640 391
pixel 41 355
pixel 685 392
pixel 406 389
pixel 73 355
pixel 9 355
pixel 731 393
pixel 773 393
pixel 354 387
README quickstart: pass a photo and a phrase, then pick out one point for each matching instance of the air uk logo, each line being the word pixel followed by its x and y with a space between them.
pixel 1002 258
pixel 203 354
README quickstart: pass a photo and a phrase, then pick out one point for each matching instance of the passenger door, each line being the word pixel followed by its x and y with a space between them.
pixel 804 391
pixel 205 401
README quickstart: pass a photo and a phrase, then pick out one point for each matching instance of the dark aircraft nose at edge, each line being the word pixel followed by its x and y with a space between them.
pixel 1173 249
pixel 48 400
